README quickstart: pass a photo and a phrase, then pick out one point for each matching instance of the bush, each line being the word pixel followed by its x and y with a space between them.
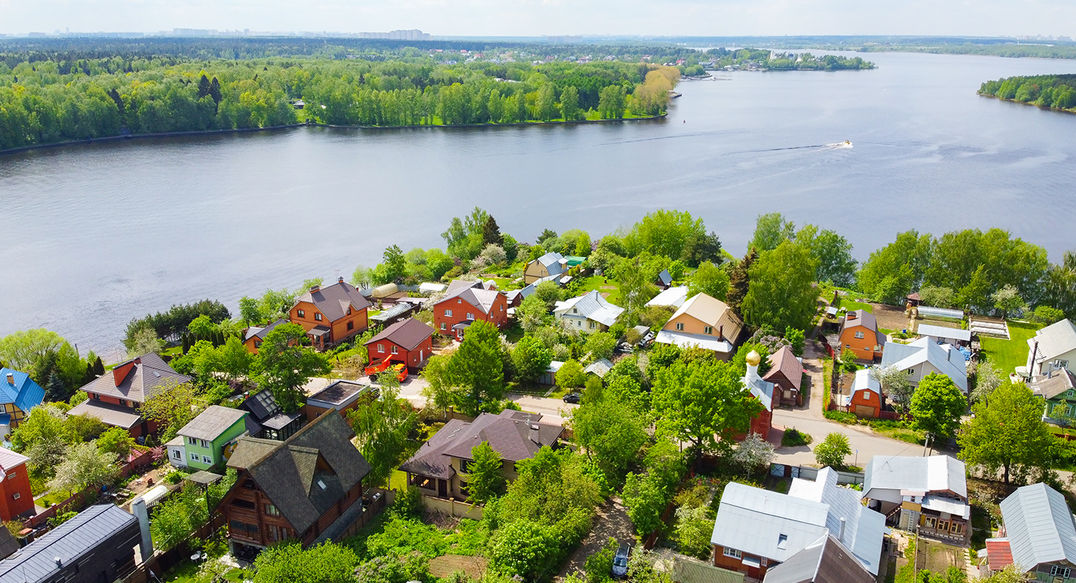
pixel 795 438
pixel 832 451
pixel 1047 315
pixel 841 417
pixel 694 526
pixel 408 502
pixel 599 566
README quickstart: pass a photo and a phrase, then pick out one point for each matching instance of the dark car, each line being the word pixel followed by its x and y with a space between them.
pixel 572 398
pixel 620 561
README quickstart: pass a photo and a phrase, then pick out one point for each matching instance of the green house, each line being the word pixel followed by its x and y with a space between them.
pixel 1058 390
pixel 202 443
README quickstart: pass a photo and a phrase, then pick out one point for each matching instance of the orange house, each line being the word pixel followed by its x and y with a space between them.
pixel 18 501
pixel 467 301
pixel 409 341
pixel 865 397
pixel 859 333
pixel 331 314
pixel 254 336
pixel 703 322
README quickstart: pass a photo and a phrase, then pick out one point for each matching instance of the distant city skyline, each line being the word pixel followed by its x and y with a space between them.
pixel 1012 18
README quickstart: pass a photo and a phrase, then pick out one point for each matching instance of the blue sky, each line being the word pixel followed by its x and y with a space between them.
pixel 553 17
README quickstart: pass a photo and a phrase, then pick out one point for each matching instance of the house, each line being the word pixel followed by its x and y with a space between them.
pixel 18 395
pixel 786 374
pixel 1040 536
pixel 267 420
pixel 864 397
pixel 255 335
pixel 439 469
pixel 824 561
pixel 1052 348
pixel 761 390
pixel 96 545
pixel 549 265
pixel 342 396
pixel 465 302
pixel 549 375
pixel 673 297
pixel 859 333
pixel 703 322
pixel 599 368
pixel 116 396
pixel 924 356
pixel 307 488
pixel 1057 389
pixel 589 312
pixel 409 341
pixel 756 530
pixel 330 314
pixel 663 280
pixel 17 498
pixel 926 494
pixel 203 443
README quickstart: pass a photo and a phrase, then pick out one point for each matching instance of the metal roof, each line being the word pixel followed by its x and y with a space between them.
pixel 865 382
pixel 1039 526
pixel 767 524
pixel 943 357
pixel 212 422
pixel 10 459
pixel 1054 340
pixel 943 332
pixel 600 367
pixel 684 340
pixel 591 306
pixel 936 473
pixel 673 297
pixel 22 391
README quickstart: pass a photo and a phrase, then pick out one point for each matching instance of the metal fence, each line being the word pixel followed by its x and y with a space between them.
pixel 808 473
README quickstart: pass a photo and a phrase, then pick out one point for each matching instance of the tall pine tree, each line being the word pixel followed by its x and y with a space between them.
pixel 739 281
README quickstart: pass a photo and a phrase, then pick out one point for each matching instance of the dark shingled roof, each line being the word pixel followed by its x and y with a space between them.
pixel 339 394
pixel 823 561
pixel 307 474
pixel 148 375
pixel 255 331
pixel 508 433
pixel 334 300
pixel 407 334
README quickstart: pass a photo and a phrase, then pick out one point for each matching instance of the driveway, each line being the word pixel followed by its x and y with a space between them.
pixel 611 520
pixel 552 410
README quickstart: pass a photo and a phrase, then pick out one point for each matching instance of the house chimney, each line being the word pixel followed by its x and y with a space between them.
pixel 340 279
pixel 851 315
pixel 535 434
pixel 11 379
pixel 59 562
pixel 315 288
pixel 145 547
pixel 840 536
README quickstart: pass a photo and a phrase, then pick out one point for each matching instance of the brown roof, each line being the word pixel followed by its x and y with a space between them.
pixel 408 334
pixel 508 433
pixel 998 553
pixel 334 300
pixel 1054 384
pixel 309 473
pixel 108 413
pixel 471 292
pixel 785 363
pixel 139 379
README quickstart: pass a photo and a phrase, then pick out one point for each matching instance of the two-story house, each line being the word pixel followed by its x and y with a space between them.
pixel 115 397
pixel 864 396
pixel 409 341
pixel 924 356
pixel 703 322
pixel 306 488
pixel 859 333
pixel 1039 536
pixel 1058 390
pixel 18 395
pixel 330 314
pixel 786 374
pixel 1052 348
pixel 439 469
pixel 202 444
pixel 465 302
pixel 589 312
pixel 16 498
pixel 549 265
pixel 925 494
pixel 255 335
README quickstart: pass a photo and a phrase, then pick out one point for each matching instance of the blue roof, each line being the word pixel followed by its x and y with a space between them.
pixel 25 393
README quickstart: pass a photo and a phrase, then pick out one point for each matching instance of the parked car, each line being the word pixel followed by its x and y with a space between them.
pixel 572 398
pixel 620 561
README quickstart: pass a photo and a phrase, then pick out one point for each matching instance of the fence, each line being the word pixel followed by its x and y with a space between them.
pixel 452 507
pixel 162 561
pixel 790 471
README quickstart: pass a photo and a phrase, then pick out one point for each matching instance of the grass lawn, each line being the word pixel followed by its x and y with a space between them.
pixel 398 480
pixel 851 305
pixel 1011 353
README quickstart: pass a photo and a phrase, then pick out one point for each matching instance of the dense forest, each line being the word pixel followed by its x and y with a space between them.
pixel 1052 91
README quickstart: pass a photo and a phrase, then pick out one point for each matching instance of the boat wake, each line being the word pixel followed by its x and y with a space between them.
pixel 845 145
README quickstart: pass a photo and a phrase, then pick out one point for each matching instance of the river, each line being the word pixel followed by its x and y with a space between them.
pixel 98 234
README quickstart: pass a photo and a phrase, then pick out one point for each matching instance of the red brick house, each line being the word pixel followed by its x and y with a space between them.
pixel 409 341
pixel 859 333
pixel 467 301
pixel 864 397
pixel 764 392
pixel 786 374
pixel 16 499
pixel 116 396
pixel 330 314
pixel 306 488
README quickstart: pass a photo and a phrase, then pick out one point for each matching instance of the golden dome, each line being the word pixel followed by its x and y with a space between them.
pixel 753 358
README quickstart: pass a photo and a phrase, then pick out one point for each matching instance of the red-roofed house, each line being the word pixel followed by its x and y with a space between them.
pixel 116 396
pixel 17 499
pixel 998 553
pixel 409 341
pixel 330 314
pixel 467 301
pixel 786 374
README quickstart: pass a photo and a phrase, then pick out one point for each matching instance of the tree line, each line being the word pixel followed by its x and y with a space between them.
pixel 1052 91
pixel 781 61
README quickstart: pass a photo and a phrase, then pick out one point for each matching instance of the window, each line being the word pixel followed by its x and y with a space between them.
pixel 680 326
pixel 176 454
pixel 911 371
pixel 866 395
pixel 351 325
pixel 459 301
pixel 272 510
pixel 1059 571
pixel 448 313
pixel 204 443
pixel 206 460
pixel 11 475
pixel 733 553
pixel 349 311
pixel 465 466
pixel 470 316
pixel 708 330
pixel 394 351
pixel 194 457
pixel 442 325
pixel 381 347
pixel 16 496
pixel 317 316
pixel 859 335
pixel 300 313
pixel 592 325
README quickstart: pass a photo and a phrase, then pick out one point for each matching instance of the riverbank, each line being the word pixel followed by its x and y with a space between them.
pixel 1042 107
pixel 275 128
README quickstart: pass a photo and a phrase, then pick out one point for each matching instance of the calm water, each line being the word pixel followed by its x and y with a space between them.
pixel 96 235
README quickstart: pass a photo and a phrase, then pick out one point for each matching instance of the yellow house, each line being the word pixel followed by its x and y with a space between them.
pixel 545 266
pixel 703 322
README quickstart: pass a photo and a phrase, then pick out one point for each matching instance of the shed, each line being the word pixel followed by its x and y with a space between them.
pixel 953 335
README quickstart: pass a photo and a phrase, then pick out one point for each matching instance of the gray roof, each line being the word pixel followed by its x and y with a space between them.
pixel 212 422
pixel 291 472
pixel 863 318
pixel 665 278
pixel 397 310
pixel 262 332
pixel 1054 384
pixel 767 524
pixel 600 367
pixel 591 306
pixel 687 570
pixel 8 544
pixel 554 263
pixel 338 395
pixel 148 375
pixel 943 332
pixel 334 300
pixel 1054 340
pixel 943 357
pixel 473 293
pixel 823 561
pixel 407 334
pixel 1039 526
pixel 936 473
pixel 108 413
pixel 103 524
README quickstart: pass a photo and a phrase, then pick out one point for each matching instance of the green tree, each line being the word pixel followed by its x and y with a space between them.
pixel 937 405
pixel 394 264
pixel 895 384
pixel 892 272
pixel 645 500
pixel 532 313
pixel 491 232
pixel 611 432
pixel 599 345
pixel 704 403
pixel 526 548
pixel 324 563
pixel 611 102
pixel 171 407
pixel 694 527
pixel 381 428
pixel 987 379
pixel 710 280
pixel 771 230
pixel 439 391
pixel 739 281
pixel 478 367
pixel 782 293
pixel 1008 300
pixel 635 285
pixel 546 104
pixel 1006 432
pixel 23 350
pixel 484 478
pixel 833 253
pixel 283 365
pixel 144 341
pixel 569 103
pixel 116 441
pixel 233 359
pixel 84 465
pixel 548 292
pixel 531 358
pixel 832 451
pixel 665 232
pixel 795 340
pixel 571 375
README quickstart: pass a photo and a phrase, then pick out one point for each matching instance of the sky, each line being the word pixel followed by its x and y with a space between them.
pixel 552 17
